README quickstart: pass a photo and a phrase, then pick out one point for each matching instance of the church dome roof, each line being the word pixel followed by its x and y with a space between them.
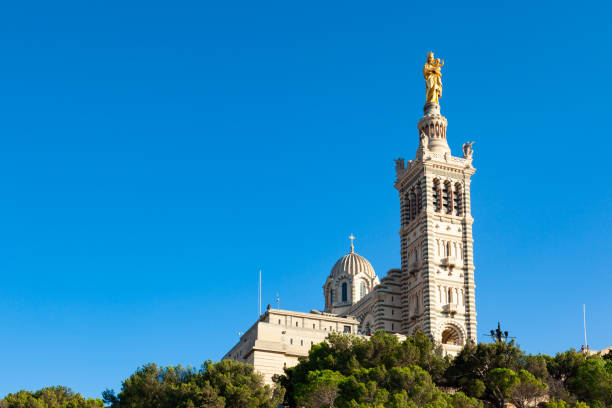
pixel 352 264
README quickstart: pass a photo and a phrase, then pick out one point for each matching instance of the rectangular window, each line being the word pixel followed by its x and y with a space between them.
pixel 301 342
pixel 392 326
pixel 290 341
pixel 313 325
pixel 347 329
pixel 296 324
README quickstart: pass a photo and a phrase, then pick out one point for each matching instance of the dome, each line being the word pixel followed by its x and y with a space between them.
pixel 352 264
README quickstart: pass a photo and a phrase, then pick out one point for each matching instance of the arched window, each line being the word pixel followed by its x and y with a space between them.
pixel 362 289
pixel 451 336
pixel 331 296
pixel 344 292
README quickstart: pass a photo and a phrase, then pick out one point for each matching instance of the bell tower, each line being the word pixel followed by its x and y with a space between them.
pixel 437 269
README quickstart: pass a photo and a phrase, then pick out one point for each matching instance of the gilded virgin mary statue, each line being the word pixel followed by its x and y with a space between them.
pixel 432 71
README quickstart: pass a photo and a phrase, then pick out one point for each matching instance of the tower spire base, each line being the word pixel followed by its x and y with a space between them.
pixel 432 130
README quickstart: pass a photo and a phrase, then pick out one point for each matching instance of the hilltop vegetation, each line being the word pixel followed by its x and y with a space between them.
pixel 49 397
pixel 353 372
pixel 385 372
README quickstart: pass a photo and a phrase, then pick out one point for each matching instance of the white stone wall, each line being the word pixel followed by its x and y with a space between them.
pixel 280 337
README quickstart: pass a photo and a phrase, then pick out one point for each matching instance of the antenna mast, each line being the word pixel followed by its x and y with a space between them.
pixel 586 345
pixel 259 295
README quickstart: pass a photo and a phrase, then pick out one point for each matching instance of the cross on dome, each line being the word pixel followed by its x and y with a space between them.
pixel 352 238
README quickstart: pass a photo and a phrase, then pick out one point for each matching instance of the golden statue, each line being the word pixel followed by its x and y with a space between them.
pixel 432 71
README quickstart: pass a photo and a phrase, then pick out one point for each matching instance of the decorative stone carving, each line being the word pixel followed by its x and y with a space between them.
pixel 424 141
pixel 400 165
pixel 468 151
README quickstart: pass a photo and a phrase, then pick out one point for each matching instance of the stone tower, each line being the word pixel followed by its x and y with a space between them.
pixel 437 270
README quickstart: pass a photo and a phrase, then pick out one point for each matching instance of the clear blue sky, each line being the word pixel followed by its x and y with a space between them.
pixel 155 155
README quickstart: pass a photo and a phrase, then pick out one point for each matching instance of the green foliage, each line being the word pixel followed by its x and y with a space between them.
pixel 500 381
pixel 460 400
pixel 527 391
pixel 482 370
pixel 216 385
pixel 320 390
pixel 563 404
pixel 50 397
pixel 593 381
pixel 382 371
pixel 564 366
pixel 471 369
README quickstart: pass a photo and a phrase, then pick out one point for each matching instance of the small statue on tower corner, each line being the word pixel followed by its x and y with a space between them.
pixel 400 165
pixel 467 150
pixel 432 71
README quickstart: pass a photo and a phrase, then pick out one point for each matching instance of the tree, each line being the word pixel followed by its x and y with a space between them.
pixel 593 382
pixel 527 391
pixel 472 367
pixel 564 366
pixel 227 383
pixel 49 397
pixel 460 400
pixel 500 381
pixel 320 390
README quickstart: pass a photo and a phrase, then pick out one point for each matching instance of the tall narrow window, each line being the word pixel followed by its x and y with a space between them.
pixel 413 205
pixel 436 195
pixel 344 292
pixel 418 197
pixel 331 296
pixel 406 209
pixel 362 289
pixel 458 202
pixel 447 198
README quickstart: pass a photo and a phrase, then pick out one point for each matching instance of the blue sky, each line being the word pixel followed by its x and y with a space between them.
pixel 155 155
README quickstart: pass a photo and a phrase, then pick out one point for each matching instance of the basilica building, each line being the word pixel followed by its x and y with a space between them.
pixel 432 291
